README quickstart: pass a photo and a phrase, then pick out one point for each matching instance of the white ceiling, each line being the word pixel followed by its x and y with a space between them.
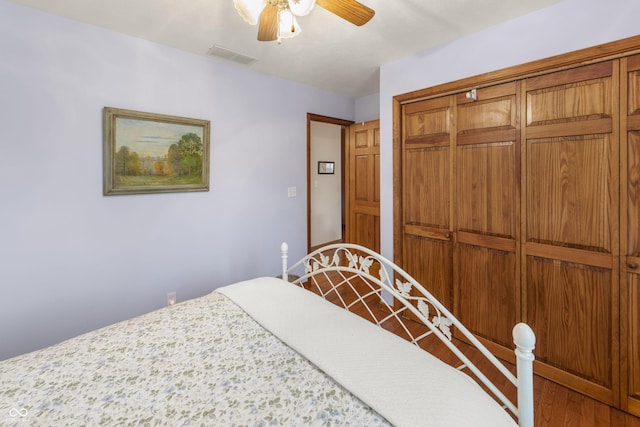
pixel 330 53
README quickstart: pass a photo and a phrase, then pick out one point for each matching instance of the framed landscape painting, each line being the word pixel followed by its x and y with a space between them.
pixel 154 153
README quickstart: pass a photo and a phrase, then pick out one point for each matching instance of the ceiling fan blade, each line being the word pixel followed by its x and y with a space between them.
pixel 354 12
pixel 268 29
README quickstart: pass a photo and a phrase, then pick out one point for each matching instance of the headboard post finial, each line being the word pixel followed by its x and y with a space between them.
pixel 284 248
pixel 525 341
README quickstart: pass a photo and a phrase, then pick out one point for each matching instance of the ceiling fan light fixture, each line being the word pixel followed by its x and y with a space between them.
pixel 287 24
pixel 301 7
pixel 277 18
pixel 250 10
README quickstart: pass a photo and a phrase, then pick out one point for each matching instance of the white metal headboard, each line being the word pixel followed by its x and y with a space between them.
pixel 348 265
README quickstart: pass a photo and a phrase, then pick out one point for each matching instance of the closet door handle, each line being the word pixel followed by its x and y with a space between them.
pixel 447 235
pixel 632 265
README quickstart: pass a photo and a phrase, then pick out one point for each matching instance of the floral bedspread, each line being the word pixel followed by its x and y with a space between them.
pixel 201 362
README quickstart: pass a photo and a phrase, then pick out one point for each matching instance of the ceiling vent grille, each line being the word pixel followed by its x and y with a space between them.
pixel 230 55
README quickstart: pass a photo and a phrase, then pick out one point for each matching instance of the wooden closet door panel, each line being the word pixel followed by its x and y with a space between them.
pixel 570 230
pixel 573 102
pixel 430 262
pixel 487 292
pixel 569 191
pixel 427 179
pixel 487 189
pixel 632 319
pixel 486 279
pixel 426 195
pixel 630 234
pixel 427 167
pixel 570 307
pixel 428 122
pixel 631 159
pixel 492 117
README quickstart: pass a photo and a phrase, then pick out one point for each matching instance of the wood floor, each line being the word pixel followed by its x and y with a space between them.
pixel 554 405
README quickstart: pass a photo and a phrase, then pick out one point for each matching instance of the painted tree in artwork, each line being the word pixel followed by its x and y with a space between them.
pixel 174 157
pixel 122 158
pixel 135 165
pixel 185 157
pixel 127 162
pixel 158 168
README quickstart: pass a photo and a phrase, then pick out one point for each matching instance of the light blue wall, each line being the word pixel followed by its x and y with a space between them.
pixel 71 259
pixel 368 108
pixel 564 27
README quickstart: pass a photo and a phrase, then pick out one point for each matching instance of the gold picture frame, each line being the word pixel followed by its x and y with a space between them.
pixel 154 153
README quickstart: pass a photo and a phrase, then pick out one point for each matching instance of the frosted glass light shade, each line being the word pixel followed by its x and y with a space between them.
pixel 301 7
pixel 287 25
pixel 250 9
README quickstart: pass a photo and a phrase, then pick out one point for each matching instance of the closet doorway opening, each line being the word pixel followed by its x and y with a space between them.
pixel 326 179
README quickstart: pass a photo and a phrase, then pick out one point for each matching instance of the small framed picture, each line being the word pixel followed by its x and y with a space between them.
pixel 325 167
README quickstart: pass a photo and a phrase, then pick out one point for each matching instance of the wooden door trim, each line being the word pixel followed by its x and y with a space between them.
pixel 599 53
pixel 326 119
pixel 343 135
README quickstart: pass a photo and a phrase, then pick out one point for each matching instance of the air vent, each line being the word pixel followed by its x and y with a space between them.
pixel 222 52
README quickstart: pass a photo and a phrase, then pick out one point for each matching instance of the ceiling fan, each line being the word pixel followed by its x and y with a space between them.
pixel 277 18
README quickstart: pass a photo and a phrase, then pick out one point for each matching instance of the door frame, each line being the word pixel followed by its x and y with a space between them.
pixel 344 135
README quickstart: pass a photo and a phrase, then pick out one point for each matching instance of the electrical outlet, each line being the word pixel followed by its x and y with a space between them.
pixel 171 299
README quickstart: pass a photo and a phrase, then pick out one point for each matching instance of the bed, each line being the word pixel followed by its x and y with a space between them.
pixel 275 351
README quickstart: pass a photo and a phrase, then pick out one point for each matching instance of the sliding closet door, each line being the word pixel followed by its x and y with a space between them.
pixel 630 233
pixel 570 218
pixel 427 188
pixel 486 273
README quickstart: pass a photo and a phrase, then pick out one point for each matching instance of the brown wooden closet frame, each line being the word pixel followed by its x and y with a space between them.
pixel 606 52
pixel 590 55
